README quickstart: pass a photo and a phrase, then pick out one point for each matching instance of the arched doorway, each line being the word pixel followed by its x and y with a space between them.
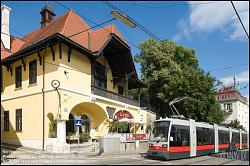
pixel 93 123
pixel 73 130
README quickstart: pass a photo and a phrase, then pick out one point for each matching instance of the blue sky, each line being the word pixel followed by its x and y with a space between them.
pixel 212 29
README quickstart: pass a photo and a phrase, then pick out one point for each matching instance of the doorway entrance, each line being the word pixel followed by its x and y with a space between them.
pixel 78 134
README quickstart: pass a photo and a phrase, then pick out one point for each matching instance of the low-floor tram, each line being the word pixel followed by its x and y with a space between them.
pixel 173 138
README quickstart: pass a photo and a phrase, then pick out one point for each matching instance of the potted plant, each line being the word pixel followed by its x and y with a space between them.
pixel 52 129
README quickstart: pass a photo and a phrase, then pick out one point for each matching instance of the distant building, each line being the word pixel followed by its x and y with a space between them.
pixel 233 105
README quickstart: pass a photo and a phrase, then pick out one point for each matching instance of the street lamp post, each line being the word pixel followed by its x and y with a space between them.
pixel 123 18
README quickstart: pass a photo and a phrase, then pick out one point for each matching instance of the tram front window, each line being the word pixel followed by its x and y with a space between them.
pixel 160 131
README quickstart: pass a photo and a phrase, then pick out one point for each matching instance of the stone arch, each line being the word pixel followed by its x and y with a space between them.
pixel 97 116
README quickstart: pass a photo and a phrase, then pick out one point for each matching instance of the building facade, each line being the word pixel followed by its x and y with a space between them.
pixel 234 106
pixel 65 73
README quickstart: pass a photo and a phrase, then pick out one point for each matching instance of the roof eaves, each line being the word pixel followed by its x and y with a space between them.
pixel 20 52
pixel 73 42
pixel 112 35
pixel 102 48
pixel 41 42
pixel 118 38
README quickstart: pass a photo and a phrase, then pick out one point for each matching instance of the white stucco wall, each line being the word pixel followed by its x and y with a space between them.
pixel 240 112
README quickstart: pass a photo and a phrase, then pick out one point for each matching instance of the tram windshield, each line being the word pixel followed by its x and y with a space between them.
pixel 160 131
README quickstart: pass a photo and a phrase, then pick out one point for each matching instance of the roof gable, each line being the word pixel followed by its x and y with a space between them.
pixel 67 25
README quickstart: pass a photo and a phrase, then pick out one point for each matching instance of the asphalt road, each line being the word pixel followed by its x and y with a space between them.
pixel 26 157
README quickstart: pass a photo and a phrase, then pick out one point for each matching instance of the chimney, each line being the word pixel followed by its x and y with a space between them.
pixel 47 15
pixel 5 34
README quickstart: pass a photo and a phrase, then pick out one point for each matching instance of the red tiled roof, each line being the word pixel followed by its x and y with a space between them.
pixel 15 43
pixel 99 37
pixel 68 24
pixel 227 89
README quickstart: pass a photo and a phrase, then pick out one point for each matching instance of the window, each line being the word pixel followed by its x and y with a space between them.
pixel 160 131
pixel 120 90
pixel 180 135
pixel 223 137
pixel 235 138
pixel 244 138
pixel 100 76
pixel 6 121
pixel 205 136
pixel 19 120
pixel 33 72
pixel 228 106
pixel 18 76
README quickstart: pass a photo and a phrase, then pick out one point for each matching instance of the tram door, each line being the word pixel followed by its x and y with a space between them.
pixel 192 138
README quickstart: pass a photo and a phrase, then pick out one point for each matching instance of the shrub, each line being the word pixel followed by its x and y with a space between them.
pixel 52 129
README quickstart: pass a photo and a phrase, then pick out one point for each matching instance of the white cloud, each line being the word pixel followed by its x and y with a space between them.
pixel 182 23
pixel 242 77
pixel 206 18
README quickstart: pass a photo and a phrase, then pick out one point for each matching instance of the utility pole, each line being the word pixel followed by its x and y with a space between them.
pixel 234 81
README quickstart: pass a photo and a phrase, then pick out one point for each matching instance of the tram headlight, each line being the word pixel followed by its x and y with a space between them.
pixel 164 145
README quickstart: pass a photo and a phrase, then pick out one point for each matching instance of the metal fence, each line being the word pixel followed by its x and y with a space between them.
pixel 234 155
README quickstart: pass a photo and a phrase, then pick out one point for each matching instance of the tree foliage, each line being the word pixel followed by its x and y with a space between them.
pixel 172 71
pixel 235 124
pixel 118 127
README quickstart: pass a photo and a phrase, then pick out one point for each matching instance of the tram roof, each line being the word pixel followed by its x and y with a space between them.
pixel 198 124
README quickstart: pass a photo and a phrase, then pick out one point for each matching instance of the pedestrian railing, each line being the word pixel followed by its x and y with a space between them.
pixel 234 155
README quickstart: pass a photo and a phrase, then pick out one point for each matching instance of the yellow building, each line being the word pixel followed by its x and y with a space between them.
pixel 63 72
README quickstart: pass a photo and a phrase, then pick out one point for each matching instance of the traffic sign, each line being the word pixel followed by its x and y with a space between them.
pixel 78 122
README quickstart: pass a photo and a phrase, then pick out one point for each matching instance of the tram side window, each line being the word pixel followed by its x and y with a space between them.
pixel 180 135
pixel 238 137
pixel 211 136
pixel 235 138
pixel 223 137
pixel 244 138
pixel 205 136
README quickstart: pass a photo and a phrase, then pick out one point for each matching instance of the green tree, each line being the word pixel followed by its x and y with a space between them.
pixel 235 124
pixel 172 71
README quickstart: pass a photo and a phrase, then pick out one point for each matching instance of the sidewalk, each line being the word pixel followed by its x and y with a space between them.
pixel 15 149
